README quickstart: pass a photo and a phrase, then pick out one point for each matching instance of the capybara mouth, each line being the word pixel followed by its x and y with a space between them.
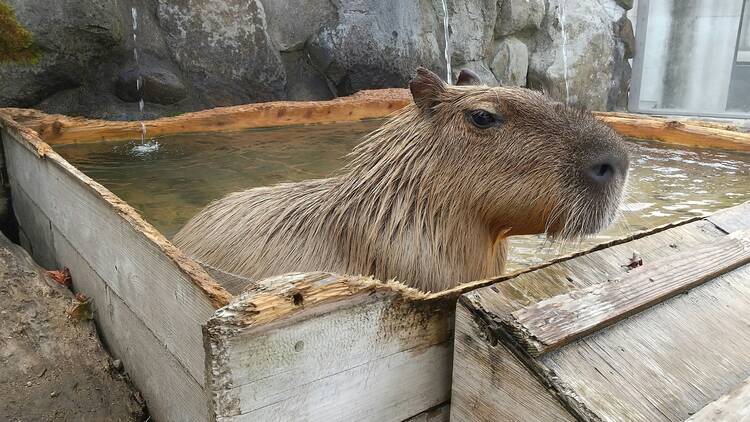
pixel 588 214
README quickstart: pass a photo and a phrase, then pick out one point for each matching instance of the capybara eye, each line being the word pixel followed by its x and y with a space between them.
pixel 483 119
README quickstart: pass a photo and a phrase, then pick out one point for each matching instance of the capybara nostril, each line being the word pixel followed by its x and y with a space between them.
pixel 600 173
pixel 607 168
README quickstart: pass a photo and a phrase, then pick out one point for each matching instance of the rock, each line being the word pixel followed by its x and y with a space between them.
pixel 624 34
pixel 471 27
pixel 582 69
pixel 290 28
pixel 358 52
pixel 160 86
pixel 519 15
pixel 224 47
pixel 72 36
pixel 625 4
pixel 303 81
pixel 511 62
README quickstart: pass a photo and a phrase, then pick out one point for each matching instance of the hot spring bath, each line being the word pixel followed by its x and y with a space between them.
pixel 171 184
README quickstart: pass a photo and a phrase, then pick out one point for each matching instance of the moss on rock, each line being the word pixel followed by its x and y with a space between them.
pixel 16 42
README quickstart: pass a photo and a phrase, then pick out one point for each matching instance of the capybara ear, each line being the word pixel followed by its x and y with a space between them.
pixel 467 77
pixel 425 88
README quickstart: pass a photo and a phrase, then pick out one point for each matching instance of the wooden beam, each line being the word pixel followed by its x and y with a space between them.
pixel 679 133
pixel 559 320
pixel 58 129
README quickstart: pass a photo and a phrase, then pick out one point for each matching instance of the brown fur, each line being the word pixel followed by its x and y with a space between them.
pixel 428 198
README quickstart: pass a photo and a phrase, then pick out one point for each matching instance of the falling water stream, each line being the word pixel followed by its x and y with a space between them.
pixel 561 12
pixel 151 146
pixel 447 48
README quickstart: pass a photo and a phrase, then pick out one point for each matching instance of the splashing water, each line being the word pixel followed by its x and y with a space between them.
pixel 561 12
pixel 144 148
pixel 447 46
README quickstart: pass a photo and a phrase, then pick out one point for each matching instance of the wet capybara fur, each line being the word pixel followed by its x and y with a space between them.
pixel 430 197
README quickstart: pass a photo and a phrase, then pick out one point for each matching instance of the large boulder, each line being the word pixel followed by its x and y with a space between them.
pixel 159 85
pixel 292 23
pixel 511 62
pixel 71 36
pixel 576 53
pixel 472 24
pixel 224 47
pixel 377 44
pixel 515 16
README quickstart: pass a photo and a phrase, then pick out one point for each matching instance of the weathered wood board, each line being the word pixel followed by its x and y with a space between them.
pixel 329 348
pixel 733 406
pixel 590 339
pixel 150 301
pixel 379 103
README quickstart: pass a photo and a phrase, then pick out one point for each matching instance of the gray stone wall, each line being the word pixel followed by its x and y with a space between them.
pixel 197 54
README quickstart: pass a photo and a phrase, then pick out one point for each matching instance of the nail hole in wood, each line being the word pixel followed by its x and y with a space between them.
pixel 298 299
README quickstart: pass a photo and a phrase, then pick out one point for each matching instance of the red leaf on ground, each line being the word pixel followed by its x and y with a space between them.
pixel 62 277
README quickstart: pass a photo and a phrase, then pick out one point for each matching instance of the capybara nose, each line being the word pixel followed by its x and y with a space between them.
pixel 604 171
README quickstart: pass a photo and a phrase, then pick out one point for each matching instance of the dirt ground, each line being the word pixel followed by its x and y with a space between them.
pixel 52 367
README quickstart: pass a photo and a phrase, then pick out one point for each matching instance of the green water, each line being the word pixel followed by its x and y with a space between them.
pixel 171 183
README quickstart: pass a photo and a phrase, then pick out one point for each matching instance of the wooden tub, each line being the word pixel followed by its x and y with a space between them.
pixel 310 346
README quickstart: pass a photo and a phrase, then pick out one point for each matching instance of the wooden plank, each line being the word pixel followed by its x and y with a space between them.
pixel 440 413
pixel 58 129
pixel 732 219
pixel 34 231
pixel 171 393
pixel 679 133
pixel 733 406
pixel 329 348
pixel 665 363
pixel 555 322
pixel 493 304
pixel 172 295
pixel 490 384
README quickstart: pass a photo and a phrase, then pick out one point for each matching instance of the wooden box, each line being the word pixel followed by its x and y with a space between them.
pixel 296 347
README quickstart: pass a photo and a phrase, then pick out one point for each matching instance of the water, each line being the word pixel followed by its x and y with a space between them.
pixel 152 145
pixel 446 50
pixel 172 183
pixel 561 12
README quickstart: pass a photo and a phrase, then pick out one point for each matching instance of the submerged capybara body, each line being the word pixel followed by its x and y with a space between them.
pixel 430 197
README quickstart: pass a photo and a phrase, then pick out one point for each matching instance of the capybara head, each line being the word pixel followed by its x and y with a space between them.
pixel 527 164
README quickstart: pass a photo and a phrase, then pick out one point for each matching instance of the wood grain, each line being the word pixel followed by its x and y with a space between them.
pixel 733 406
pixel 323 347
pixel 58 129
pixel 490 384
pixel 555 322
pixel 678 133
pixel 663 363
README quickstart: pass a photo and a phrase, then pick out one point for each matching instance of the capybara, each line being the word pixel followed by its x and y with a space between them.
pixel 430 197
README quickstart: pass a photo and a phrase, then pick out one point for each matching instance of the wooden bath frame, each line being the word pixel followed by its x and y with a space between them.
pixel 307 346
